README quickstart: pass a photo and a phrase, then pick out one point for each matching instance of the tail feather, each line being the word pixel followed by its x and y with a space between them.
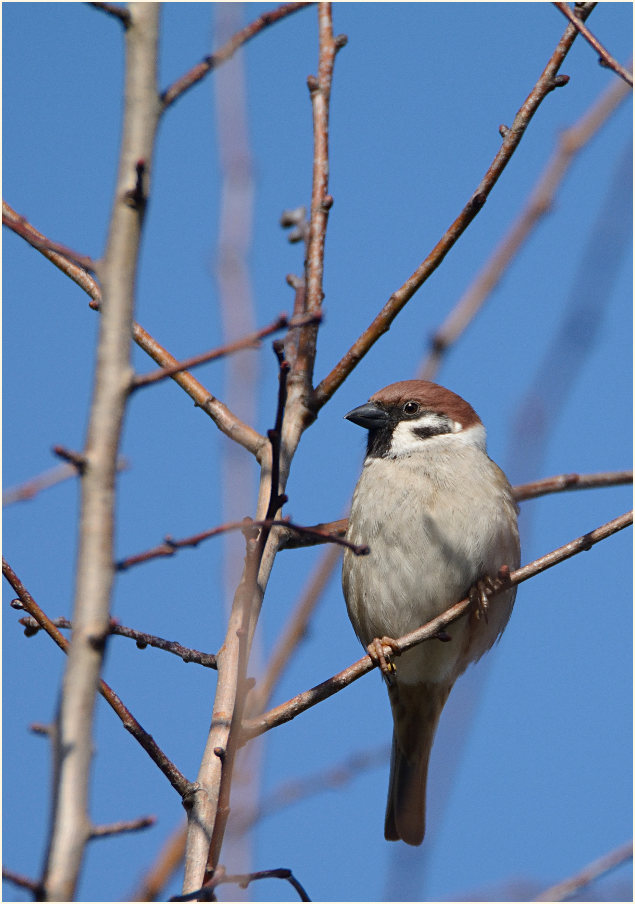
pixel 416 709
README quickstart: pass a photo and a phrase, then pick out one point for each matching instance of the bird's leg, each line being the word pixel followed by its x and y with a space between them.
pixel 381 657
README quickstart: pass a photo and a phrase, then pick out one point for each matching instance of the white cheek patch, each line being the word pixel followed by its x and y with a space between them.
pixel 410 436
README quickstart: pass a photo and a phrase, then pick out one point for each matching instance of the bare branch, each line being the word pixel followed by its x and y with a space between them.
pixel 179 87
pixel 590 873
pixel 176 779
pixel 605 57
pixel 141 638
pixel 23 882
pixel 298 704
pixel 321 201
pixel 511 139
pixel 570 143
pixel 563 482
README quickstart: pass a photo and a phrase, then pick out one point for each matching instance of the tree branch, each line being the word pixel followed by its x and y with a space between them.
pixel 397 301
pixel 590 873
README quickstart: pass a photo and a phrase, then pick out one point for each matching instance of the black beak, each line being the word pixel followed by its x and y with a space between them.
pixel 370 416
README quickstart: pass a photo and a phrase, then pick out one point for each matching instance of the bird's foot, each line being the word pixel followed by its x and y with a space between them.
pixel 478 594
pixel 380 651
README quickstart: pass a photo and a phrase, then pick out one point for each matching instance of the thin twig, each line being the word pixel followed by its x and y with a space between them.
pixel 118 828
pixel 564 482
pixel 30 488
pixel 397 301
pixel 141 638
pixel 605 57
pixel 77 459
pixel 590 873
pixel 194 75
pixel 253 340
pixel 118 12
pixel 298 704
pixel 44 244
pixel 176 779
pixel 206 893
pixel 570 143
pixel 321 201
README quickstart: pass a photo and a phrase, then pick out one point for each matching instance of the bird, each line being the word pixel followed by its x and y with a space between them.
pixel 440 519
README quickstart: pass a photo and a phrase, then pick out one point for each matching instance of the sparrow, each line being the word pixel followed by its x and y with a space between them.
pixel 440 520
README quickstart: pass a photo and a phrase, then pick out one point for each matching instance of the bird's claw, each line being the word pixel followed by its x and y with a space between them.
pixel 381 657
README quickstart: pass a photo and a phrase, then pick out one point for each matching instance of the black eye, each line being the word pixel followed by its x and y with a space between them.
pixel 411 407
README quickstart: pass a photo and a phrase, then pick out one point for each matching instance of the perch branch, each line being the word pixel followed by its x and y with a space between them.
pixel 118 828
pixel 289 710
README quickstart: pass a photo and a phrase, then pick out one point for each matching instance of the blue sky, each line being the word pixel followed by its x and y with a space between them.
pixel 531 772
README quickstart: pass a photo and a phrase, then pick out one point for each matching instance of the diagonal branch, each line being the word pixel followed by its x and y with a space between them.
pixel 298 704
pixel 397 301
pixel 605 57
